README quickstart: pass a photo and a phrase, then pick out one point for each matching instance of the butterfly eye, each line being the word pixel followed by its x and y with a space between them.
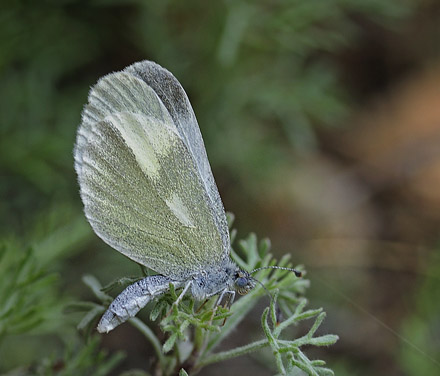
pixel 243 285
pixel 241 282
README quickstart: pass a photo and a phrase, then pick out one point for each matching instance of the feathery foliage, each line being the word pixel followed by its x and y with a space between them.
pixel 192 334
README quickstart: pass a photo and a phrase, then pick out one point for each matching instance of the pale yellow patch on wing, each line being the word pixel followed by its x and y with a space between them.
pixel 180 210
pixel 146 141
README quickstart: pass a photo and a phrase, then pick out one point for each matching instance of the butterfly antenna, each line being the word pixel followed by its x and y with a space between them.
pixel 297 272
pixel 264 287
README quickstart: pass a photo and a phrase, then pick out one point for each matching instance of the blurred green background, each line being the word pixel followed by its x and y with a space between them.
pixel 321 120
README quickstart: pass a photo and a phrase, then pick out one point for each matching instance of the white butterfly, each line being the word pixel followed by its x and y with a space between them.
pixel 148 189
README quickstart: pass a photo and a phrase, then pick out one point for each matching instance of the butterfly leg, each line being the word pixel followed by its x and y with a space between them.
pixel 228 302
pixel 180 297
pixel 202 305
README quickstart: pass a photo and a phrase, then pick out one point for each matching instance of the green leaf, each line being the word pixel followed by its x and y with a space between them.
pixel 168 345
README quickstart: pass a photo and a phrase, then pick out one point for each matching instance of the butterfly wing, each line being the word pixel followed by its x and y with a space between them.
pixel 142 188
pixel 174 98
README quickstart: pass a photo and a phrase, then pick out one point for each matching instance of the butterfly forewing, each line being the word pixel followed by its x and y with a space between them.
pixel 143 190
pixel 174 98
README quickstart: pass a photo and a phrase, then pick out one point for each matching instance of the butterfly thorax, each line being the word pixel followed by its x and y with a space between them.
pixel 213 280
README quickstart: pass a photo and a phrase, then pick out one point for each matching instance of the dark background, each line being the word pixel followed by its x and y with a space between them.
pixel 321 120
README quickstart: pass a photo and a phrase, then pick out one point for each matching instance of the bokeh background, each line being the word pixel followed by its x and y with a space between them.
pixel 321 120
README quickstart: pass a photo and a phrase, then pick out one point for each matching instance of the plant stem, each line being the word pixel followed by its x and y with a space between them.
pixel 238 351
pixel 150 336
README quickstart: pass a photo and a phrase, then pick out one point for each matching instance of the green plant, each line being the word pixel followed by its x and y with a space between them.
pixel 36 336
pixel 192 334
pixel 84 359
